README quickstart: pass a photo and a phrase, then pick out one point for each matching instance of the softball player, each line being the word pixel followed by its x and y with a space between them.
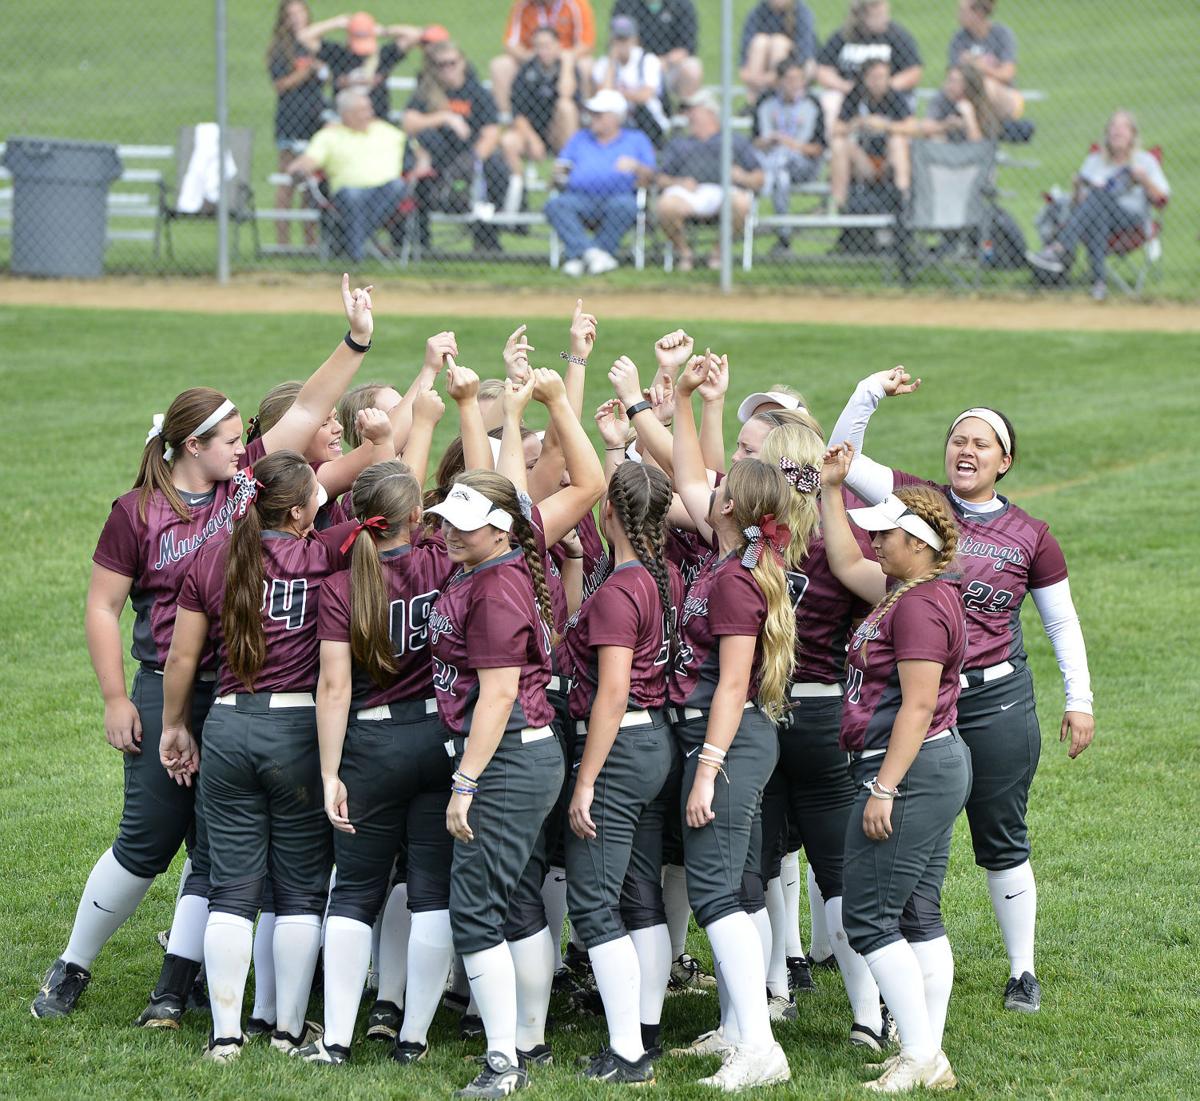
pixel 490 643
pixel 188 489
pixel 384 765
pixel 911 769
pixel 1004 555
pixel 619 648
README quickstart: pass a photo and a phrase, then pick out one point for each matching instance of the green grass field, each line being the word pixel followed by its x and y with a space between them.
pixel 133 73
pixel 1106 428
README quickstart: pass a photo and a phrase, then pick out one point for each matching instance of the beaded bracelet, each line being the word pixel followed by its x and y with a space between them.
pixel 579 360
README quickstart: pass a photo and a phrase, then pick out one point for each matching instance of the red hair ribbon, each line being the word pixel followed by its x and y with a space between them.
pixel 768 532
pixel 375 523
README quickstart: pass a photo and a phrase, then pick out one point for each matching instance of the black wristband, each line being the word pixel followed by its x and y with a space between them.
pixel 354 345
pixel 636 408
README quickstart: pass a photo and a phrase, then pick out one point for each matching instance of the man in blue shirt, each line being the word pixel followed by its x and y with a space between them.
pixel 600 167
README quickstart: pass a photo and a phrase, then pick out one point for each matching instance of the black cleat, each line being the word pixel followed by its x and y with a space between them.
pixel 409 1051
pixel 383 1022
pixel 608 1066
pixel 470 1026
pixel 164 1011
pixel 498 1078
pixel 256 1026
pixel 800 979
pixel 176 978
pixel 538 1056
pixel 826 963
pixel 329 1055
pixel 579 967
pixel 61 988
pixel 1023 995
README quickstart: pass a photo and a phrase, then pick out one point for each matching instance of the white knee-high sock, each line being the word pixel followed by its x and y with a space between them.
pixel 347 958
pixel 856 975
pixel 227 947
pixel 1014 898
pixel 533 966
pixel 728 1026
pixel 820 935
pixel 430 954
pixel 789 874
pixel 109 898
pixel 762 924
pixel 296 944
pixel 494 990
pixel 675 900
pixel 554 900
pixel 184 872
pixel 264 969
pixel 618 978
pixel 898 975
pixel 653 947
pixel 394 935
pixel 937 969
pixel 738 954
pixel 777 974
pixel 187 928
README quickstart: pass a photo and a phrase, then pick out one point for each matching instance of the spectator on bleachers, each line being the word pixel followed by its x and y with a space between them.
pixel 637 74
pixel 668 29
pixel 572 20
pixel 773 31
pixel 992 49
pixel 453 117
pixel 1115 189
pixel 791 138
pixel 867 35
pixel 870 138
pixel 598 170
pixel 361 157
pixel 545 108
pixel 364 61
pixel 690 178
pixel 297 77
pixel 961 110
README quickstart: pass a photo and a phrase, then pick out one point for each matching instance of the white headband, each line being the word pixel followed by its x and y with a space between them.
pixel 994 420
pixel 213 419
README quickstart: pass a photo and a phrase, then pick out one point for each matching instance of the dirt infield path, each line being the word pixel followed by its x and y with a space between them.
pixel 309 295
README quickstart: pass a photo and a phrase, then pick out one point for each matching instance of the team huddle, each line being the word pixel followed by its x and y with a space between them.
pixel 409 733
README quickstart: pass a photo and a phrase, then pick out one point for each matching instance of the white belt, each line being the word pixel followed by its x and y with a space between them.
pixel 991 673
pixel 559 684
pixel 813 688
pixel 630 718
pixel 278 699
pixel 205 676
pixel 536 734
pixel 683 714
pixel 383 712
pixel 932 738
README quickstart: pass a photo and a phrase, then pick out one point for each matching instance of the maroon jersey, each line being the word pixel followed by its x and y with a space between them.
pixel 488 619
pixel 688 553
pixel 925 624
pixel 625 611
pixel 596 563
pixel 1001 556
pixel 414 576
pixel 155 553
pixel 294 572
pixel 724 600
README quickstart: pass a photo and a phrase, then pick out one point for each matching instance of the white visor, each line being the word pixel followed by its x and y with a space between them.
pixel 892 512
pixel 469 510
pixel 752 404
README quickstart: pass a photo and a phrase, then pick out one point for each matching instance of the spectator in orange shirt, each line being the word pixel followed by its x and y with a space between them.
pixel 572 20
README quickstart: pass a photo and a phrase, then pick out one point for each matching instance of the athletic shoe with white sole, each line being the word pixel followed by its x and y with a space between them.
pixel 330 1055
pixel 223 1049
pixel 707 1043
pixel 879 1068
pixel 907 1074
pixel 60 991
pixel 748 1067
pixel 409 1051
pixel 384 1020
pixel 687 977
pixel 780 1008
pixel 1023 995
pixel 800 975
pixel 573 268
pixel 498 1078
pixel 600 262
pixel 539 1055
pixel 289 1044
pixel 887 1037
pixel 608 1066
pixel 163 1011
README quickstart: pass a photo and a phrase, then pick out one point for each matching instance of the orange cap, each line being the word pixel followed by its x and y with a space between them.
pixel 360 32
pixel 435 32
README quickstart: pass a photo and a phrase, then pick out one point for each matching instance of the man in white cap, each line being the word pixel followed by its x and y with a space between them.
pixel 598 170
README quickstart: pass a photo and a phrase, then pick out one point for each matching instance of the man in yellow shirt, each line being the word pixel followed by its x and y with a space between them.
pixel 362 157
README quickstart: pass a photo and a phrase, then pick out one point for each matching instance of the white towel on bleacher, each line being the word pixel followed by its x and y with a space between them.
pixel 200 181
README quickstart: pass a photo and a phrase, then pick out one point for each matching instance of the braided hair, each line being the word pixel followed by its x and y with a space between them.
pixel 641 497
pixel 935 510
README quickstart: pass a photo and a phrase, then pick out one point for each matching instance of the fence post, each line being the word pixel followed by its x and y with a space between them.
pixel 726 228
pixel 222 95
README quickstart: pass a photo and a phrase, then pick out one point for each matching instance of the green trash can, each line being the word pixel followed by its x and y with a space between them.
pixel 60 205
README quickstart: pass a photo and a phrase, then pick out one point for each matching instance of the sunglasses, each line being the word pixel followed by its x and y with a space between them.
pixel 450 64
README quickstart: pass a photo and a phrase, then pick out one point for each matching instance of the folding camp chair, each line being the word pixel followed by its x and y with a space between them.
pixel 1137 253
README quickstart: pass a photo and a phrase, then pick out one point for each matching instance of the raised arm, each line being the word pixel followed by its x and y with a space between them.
pixel 462 384
pixel 859 574
pixel 437 348
pixel 427 411
pixel 654 438
pixel 613 426
pixel 868 479
pixel 712 393
pixel 375 430
pixel 511 460
pixel 326 385
pixel 690 475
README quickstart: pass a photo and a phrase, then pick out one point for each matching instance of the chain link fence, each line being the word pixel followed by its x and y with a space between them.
pixel 859 147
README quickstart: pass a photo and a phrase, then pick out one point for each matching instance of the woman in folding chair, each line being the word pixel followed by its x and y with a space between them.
pixel 1117 185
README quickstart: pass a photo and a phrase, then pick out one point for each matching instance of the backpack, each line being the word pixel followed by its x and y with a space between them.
pixel 1004 248
pixel 1050 222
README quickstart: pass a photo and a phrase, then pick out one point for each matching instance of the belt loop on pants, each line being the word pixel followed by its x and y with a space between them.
pixel 973 678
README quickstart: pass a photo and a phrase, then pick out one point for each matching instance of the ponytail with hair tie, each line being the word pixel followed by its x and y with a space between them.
pixel 768 532
pixel 374 523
